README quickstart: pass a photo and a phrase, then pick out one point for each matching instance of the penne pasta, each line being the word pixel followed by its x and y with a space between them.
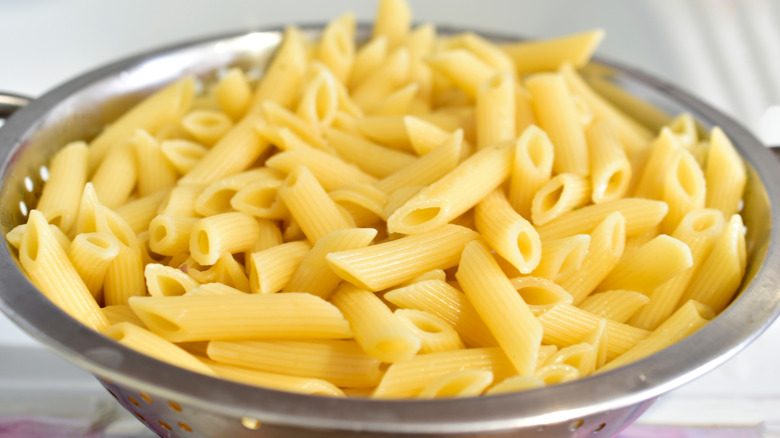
pixel 60 197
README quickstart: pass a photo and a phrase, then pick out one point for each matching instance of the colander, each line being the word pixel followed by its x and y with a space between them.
pixel 174 402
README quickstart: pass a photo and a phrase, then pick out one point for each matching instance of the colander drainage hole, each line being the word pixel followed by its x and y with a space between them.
pixel 174 406
pixel 185 427
pixel 250 423
pixel 164 425
pixel 600 428
pixel 133 401
pixel 576 424
pixel 146 397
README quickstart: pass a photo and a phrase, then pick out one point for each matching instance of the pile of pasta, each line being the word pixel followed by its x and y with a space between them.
pixel 416 215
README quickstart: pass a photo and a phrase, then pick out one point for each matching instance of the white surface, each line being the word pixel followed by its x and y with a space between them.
pixel 727 52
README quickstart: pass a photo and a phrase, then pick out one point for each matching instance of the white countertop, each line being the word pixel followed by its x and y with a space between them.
pixel 726 52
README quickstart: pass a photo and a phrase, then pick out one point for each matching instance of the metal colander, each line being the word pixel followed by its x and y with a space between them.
pixel 174 402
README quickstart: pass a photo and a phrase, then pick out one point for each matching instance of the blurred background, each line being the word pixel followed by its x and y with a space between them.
pixel 726 52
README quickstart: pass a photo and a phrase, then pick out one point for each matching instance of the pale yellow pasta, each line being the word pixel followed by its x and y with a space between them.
pixel 271 269
pixel 725 174
pixel 181 200
pixel 230 272
pixel 454 193
pixel 435 334
pixel 213 289
pixel 699 229
pixel 50 270
pixel 124 276
pixel 372 158
pixel 160 108
pixel 506 314
pixel 393 20
pixel 170 235
pixel 492 54
pixel 684 189
pixel 391 74
pixel 336 49
pixel 551 53
pixel 398 103
pixel 91 255
pixel 393 262
pixel 611 171
pixel 139 212
pixel 616 305
pixel 368 58
pixel 59 200
pixel 259 198
pixel 244 316
pixel 640 214
pixel 206 126
pixel 524 111
pixel 313 275
pixel 540 293
pixel 582 356
pixel 531 168
pixel 319 100
pixel 441 299
pixel 508 233
pixel 421 42
pixel 233 93
pixel 14 237
pixel 407 378
pixel 516 383
pixel 649 181
pixel 279 117
pixel 165 281
pixel 684 127
pixel 720 273
pixel 565 325
pixel 495 104
pixel 554 374
pixel 607 242
pixel 388 131
pixel 116 176
pixel 275 380
pixel 121 313
pixel 363 202
pixel 557 114
pixel 340 362
pixel 562 257
pixel 330 171
pixel 423 135
pixel 309 204
pixel 146 342
pixel 213 236
pixel 378 331
pixel 650 265
pixel 216 197
pixel 561 194
pixel 155 173
pixel 461 383
pixel 283 78
pixel 598 339
pixel 465 69
pixel 689 318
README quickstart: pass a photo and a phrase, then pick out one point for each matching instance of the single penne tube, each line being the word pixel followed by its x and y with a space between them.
pixel 216 197
pixel 213 289
pixel 435 334
pixel 14 237
pixel 213 236
pixel 582 356
pixel 244 316
pixel 551 53
pixel 155 172
pixel 59 200
pixel 372 158
pixel 557 373
pixel 456 384
pixel 50 270
pixel 634 136
pixel 121 313
pixel 170 235
pixel 311 207
pixel 454 193
pixel 399 103
pixel 684 126
pixel 699 230
pixel 231 272
pixel 439 298
pixel 524 111
pixel 423 135
pixel 508 233
pixel 278 118
pixel 165 281
pixel 275 380
pixel 330 170
pixel 428 168
pixel 684 189
pixel 125 276
pixel 206 126
pixel 540 293
pixel 616 305
pixel 233 93
pixel 640 214
pixel 368 58
pixel 146 342
pixel 407 378
pixel 271 269
pixel 116 176
pixel 259 199
pixel 725 174
pixel 91 255
pixel 495 104
pixel 689 318
pixel 566 325
pixel 180 202
pixel 489 52
pixel 650 265
pixel 650 172
pixel 506 314
pixel 377 330
pixel 284 76
pixel 393 20
pixel 391 74
pixel 336 48
pixel 313 275
pixel 319 100
pixel 393 262
pixel 721 272
pixel 611 170
pixel 607 243
pixel 164 106
pixel 465 69
pixel 531 168
pixel 340 362
pixel 388 131
pixel 363 202
pixel 598 339
pixel 139 213
pixel 556 113
pixel 562 257
pixel 563 193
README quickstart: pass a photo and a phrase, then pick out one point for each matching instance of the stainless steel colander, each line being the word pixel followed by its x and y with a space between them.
pixel 178 403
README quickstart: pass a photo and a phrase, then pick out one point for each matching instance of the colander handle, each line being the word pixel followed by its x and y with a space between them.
pixel 10 102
